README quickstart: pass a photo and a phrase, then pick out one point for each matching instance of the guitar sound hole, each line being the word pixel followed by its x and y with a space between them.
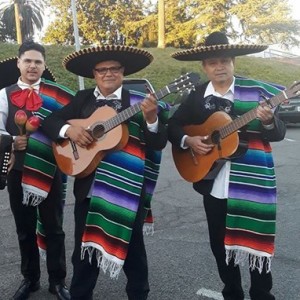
pixel 215 137
pixel 98 131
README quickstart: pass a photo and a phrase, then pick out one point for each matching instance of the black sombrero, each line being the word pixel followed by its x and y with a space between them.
pixel 217 45
pixel 10 73
pixel 82 62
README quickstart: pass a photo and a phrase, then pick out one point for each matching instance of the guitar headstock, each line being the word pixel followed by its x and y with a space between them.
pixel 293 90
pixel 186 82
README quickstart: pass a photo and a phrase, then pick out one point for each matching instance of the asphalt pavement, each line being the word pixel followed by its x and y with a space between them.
pixel 181 266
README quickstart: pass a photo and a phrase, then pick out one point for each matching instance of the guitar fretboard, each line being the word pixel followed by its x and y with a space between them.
pixel 251 115
pixel 187 82
pixel 121 117
pixel 134 109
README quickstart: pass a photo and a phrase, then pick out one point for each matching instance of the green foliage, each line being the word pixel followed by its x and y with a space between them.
pixel 31 18
pixel 187 22
pixel 266 21
pixel 98 21
pixel 165 69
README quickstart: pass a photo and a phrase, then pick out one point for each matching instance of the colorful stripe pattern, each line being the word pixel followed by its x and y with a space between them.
pixel 39 163
pixel 251 211
pixel 120 178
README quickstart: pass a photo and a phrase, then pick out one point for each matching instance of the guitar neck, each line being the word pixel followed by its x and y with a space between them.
pixel 249 116
pixel 127 113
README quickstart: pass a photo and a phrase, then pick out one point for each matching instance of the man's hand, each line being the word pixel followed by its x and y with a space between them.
pixel 79 135
pixel 20 142
pixel 149 109
pixel 264 114
pixel 198 144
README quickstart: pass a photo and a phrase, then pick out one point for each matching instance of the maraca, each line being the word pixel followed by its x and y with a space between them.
pixel 20 120
pixel 32 124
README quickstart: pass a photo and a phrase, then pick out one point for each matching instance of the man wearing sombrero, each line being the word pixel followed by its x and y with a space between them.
pixel 240 192
pixel 113 201
pixel 35 184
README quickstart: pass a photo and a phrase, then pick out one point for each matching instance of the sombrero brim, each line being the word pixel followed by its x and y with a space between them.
pixel 225 50
pixel 10 73
pixel 82 62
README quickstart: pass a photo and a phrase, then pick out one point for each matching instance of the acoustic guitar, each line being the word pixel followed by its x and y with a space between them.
pixel 222 131
pixel 109 132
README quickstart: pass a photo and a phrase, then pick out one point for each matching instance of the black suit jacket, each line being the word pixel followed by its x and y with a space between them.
pixel 81 107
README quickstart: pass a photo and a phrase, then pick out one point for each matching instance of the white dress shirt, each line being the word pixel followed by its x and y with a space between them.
pixel 221 182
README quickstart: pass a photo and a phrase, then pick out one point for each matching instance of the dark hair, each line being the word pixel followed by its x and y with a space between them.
pixel 31 45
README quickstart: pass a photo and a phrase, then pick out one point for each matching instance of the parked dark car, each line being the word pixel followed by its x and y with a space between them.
pixel 138 85
pixel 289 111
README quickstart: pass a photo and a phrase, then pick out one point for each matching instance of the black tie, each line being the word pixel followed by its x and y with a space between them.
pixel 116 104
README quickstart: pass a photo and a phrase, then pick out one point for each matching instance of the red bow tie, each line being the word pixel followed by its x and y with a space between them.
pixel 28 98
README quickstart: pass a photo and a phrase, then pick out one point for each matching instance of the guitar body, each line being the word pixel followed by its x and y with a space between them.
pixel 109 130
pixel 223 133
pixel 87 159
pixel 194 167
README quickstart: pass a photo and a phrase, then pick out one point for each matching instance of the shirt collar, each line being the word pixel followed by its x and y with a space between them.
pixel 23 85
pixel 115 95
pixel 210 90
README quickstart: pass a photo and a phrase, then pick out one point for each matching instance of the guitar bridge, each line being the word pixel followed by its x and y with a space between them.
pixel 75 151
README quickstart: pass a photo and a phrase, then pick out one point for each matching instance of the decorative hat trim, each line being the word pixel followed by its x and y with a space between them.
pixel 215 47
pixel 82 62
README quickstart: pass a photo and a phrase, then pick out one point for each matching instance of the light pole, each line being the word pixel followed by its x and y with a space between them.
pixel 76 36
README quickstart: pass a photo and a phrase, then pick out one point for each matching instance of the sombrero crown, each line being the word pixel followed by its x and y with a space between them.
pixel 217 45
pixel 10 73
pixel 82 62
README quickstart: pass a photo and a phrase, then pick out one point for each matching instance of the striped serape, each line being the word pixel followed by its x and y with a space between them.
pixel 120 178
pixel 39 163
pixel 251 211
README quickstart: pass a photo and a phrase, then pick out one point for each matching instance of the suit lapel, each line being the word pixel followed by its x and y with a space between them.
pixel 125 99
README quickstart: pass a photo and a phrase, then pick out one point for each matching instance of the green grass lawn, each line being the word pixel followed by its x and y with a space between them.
pixel 165 69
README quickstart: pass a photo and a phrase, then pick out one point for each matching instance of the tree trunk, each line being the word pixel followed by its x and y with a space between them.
pixel 161 24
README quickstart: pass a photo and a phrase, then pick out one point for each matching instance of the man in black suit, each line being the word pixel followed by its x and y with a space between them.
pixel 111 201
pixel 240 188
pixel 33 192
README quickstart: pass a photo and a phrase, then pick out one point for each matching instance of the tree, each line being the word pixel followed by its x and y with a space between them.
pixel 98 21
pixel 257 21
pixel 186 24
pixel 28 13
pixel 266 21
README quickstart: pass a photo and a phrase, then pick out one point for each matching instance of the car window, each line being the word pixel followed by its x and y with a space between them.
pixel 138 85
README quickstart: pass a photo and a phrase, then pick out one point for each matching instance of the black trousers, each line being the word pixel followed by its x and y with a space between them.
pixel 51 214
pixel 85 274
pixel 261 283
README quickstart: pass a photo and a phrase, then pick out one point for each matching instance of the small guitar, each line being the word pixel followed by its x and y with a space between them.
pixel 109 132
pixel 222 132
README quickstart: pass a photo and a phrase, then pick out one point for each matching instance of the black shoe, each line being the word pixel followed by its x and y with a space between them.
pixel 60 290
pixel 25 289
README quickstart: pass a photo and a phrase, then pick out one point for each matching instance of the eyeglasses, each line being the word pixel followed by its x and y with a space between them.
pixel 113 70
